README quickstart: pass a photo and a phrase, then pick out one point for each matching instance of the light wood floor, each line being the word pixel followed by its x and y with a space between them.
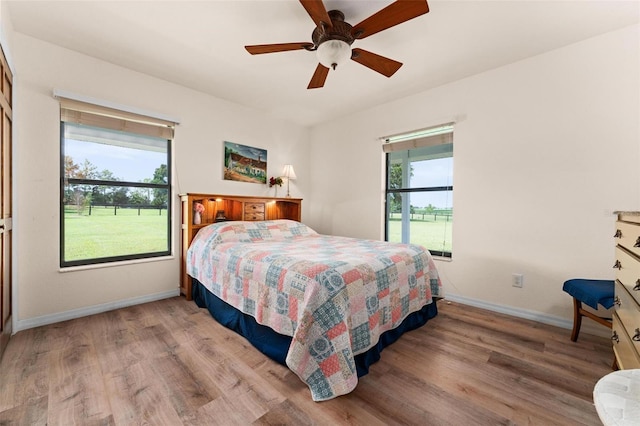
pixel 169 362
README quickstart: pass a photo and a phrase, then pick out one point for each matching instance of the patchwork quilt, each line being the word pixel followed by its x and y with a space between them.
pixel 334 296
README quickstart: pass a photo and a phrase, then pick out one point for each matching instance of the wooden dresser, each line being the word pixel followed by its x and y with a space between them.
pixel 235 207
pixel 626 318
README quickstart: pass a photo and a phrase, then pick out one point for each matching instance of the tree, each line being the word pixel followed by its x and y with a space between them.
pixel 139 197
pixel 98 195
pixel 107 174
pixel 79 198
pixel 70 168
pixel 148 190
pixel 103 194
pixel 87 171
pixel 160 176
pixel 395 182
pixel 80 195
pixel 70 171
pixel 120 195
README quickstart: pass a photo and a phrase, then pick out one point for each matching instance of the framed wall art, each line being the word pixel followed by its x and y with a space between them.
pixel 245 163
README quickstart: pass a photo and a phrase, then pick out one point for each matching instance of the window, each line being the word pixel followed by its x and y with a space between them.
pixel 419 189
pixel 115 185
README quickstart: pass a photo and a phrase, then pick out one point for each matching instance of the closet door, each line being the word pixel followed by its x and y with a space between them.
pixel 6 86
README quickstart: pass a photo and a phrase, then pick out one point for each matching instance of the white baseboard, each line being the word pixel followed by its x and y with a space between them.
pixel 510 310
pixel 587 327
pixel 20 325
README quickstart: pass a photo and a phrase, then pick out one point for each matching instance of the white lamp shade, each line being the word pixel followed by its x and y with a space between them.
pixel 333 52
pixel 288 172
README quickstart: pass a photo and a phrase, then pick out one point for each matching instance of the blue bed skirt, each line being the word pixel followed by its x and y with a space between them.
pixel 276 346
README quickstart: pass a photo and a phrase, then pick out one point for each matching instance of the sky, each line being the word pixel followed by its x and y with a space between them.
pixel 428 173
pixel 116 159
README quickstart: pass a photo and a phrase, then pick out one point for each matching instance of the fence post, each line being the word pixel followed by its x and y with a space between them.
pixel 90 209
pixel 115 210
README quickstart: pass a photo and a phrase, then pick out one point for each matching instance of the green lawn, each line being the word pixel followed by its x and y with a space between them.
pixel 430 233
pixel 104 234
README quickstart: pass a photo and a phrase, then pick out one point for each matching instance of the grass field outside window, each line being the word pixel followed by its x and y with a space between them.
pixel 435 232
pixel 99 235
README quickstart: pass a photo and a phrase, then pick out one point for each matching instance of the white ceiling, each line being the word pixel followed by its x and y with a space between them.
pixel 200 44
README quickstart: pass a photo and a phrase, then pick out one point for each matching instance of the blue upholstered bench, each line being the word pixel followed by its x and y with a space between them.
pixel 592 293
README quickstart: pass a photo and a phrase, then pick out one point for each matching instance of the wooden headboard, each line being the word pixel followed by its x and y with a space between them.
pixel 235 207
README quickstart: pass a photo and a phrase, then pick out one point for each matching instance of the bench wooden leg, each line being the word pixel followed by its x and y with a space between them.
pixel 578 313
pixel 577 319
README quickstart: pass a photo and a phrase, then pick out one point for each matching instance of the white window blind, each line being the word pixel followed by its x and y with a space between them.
pixel 73 111
pixel 432 136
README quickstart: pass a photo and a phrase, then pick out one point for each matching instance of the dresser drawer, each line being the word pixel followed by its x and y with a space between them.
pixel 627 235
pixel 628 272
pixel 625 349
pixel 627 309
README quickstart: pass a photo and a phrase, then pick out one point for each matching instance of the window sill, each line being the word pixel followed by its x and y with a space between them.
pixel 442 258
pixel 114 264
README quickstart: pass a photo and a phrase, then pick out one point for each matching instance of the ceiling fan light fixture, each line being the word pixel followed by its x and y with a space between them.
pixel 332 53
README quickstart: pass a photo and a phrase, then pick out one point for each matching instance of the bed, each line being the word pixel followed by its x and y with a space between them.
pixel 324 305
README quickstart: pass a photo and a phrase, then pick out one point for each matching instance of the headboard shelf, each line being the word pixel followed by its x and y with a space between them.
pixel 235 207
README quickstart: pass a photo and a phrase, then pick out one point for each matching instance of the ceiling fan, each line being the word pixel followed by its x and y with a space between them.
pixel 332 37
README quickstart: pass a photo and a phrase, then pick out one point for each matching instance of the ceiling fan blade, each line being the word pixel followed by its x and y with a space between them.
pixel 273 48
pixel 384 66
pixel 317 11
pixel 319 77
pixel 396 13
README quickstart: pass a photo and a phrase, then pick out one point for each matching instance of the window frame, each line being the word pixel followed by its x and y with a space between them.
pixel 75 110
pixel 405 143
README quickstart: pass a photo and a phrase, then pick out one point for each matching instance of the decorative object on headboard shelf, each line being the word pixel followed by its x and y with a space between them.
pixel 198 209
pixel 219 208
pixel 275 181
pixel 220 217
pixel 290 174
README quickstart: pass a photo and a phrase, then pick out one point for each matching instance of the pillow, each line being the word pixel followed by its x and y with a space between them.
pixel 240 231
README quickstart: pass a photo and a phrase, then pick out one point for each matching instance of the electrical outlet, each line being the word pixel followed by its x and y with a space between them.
pixel 518 280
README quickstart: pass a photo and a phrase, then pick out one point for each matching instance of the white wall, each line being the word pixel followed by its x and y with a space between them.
pixel 46 294
pixel 544 150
